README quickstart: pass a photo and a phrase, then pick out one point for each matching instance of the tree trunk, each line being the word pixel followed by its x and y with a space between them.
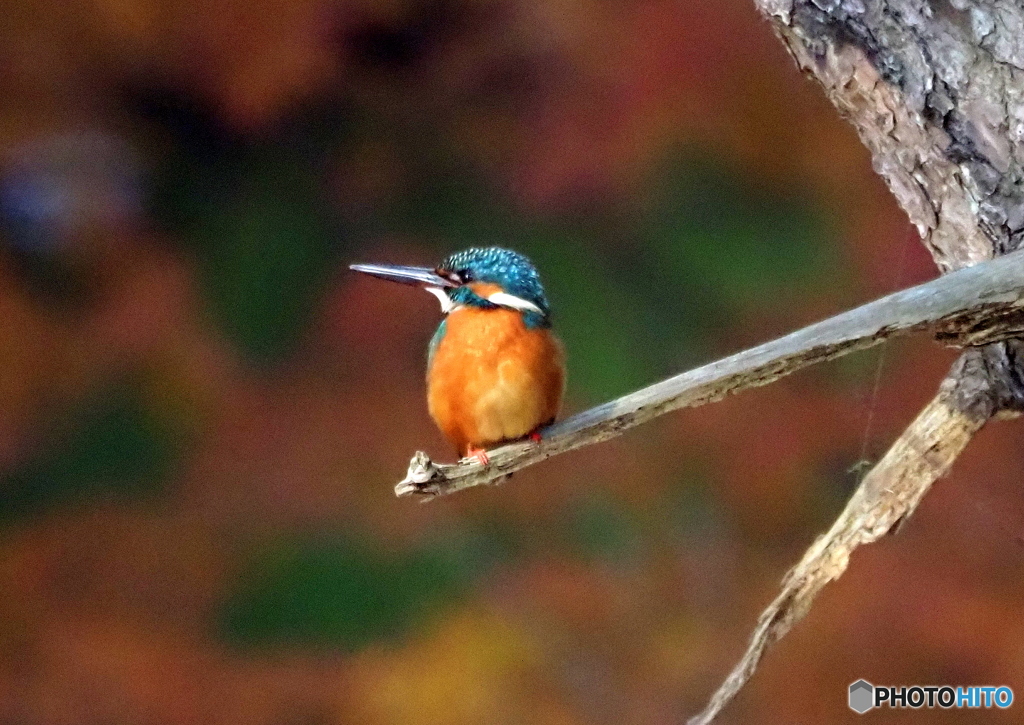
pixel 935 88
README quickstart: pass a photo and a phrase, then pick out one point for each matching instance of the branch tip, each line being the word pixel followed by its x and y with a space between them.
pixel 423 477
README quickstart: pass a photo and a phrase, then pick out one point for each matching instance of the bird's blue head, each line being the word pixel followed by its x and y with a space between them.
pixel 491 277
pixel 481 277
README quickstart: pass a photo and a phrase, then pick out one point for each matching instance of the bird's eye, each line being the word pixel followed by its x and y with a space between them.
pixel 465 275
pixel 451 276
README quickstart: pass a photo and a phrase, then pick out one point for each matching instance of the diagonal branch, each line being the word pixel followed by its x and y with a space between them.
pixel 973 306
pixel 888 494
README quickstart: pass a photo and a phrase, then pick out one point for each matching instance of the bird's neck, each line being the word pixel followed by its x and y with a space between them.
pixel 490 297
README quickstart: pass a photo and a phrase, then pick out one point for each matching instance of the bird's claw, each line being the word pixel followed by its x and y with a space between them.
pixel 478 455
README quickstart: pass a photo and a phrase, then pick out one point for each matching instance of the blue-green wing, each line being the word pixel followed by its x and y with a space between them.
pixel 434 342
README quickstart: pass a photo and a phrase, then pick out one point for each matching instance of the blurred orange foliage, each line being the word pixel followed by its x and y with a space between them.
pixel 615 586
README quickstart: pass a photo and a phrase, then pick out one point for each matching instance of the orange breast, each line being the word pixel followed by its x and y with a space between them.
pixel 492 379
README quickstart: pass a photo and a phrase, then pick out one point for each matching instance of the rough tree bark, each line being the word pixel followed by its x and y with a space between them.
pixel 935 88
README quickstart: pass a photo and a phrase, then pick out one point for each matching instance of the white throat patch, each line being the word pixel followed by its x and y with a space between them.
pixel 446 303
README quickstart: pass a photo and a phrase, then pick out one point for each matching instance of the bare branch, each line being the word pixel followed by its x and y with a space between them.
pixel 971 306
pixel 888 494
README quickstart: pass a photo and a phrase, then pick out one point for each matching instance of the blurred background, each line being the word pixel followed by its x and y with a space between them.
pixel 202 414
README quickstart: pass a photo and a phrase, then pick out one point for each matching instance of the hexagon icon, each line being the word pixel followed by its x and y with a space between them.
pixel 862 696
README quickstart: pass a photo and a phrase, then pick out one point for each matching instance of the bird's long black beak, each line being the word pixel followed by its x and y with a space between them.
pixel 416 276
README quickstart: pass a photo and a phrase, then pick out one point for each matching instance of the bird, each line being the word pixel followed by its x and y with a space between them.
pixel 495 369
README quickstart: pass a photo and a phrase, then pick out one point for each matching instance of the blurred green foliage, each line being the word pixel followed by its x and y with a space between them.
pixel 735 245
pixel 600 527
pixel 112 446
pixel 337 593
pixel 260 221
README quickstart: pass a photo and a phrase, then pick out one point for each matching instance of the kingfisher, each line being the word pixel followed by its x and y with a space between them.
pixel 495 370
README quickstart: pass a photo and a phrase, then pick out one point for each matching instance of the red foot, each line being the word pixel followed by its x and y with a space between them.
pixel 478 454
pixel 536 437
